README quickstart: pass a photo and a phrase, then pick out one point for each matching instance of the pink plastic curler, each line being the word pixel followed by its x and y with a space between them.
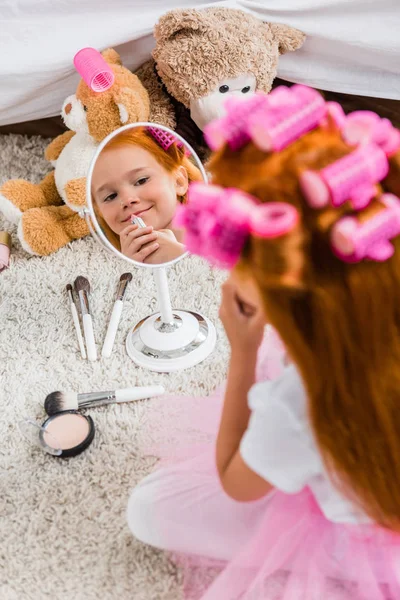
pixel 165 139
pixel 232 128
pixel 276 128
pixel 364 127
pixel 352 178
pixel 272 121
pixel 336 113
pixel 273 219
pixel 94 70
pixel 218 222
pixel 353 241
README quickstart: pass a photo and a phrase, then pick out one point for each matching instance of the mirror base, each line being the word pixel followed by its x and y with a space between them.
pixel 174 348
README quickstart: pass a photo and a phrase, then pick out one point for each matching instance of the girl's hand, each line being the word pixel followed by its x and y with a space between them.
pixel 244 323
pixel 169 248
pixel 139 243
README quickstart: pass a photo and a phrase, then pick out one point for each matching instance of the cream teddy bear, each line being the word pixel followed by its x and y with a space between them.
pixel 47 213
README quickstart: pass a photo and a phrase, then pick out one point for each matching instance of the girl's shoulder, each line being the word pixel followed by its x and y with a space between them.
pixel 287 391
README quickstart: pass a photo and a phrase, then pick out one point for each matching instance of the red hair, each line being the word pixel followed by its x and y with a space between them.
pixel 340 322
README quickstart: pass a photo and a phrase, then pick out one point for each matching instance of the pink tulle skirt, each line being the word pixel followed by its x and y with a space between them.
pixel 295 553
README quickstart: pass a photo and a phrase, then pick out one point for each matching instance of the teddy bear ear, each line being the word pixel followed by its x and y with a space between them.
pixel 132 105
pixel 111 57
pixel 177 20
pixel 289 39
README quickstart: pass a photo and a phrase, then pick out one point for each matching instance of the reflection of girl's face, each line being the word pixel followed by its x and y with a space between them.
pixel 128 181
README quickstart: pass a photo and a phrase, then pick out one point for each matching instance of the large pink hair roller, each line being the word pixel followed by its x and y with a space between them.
pixel 363 127
pixel 278 127
pixel 353 241
pixel 232 129
pixel 271 121
pixel 218 222
pixel 94 70
pixel 353 177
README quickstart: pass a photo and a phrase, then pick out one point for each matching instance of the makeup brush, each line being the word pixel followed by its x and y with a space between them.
pixel 82 288
pixel 115 315
pixel 60 401
pixel 76 320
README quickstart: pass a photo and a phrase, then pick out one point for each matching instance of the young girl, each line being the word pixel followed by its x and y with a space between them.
pixel 138 175
pixel 301 498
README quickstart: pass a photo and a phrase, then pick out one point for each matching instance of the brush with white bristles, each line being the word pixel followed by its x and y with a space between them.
pixel 60 401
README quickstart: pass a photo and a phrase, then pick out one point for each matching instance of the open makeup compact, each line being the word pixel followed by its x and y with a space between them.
pixel 137 181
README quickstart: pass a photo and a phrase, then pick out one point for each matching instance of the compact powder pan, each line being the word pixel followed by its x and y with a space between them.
pixel 67 433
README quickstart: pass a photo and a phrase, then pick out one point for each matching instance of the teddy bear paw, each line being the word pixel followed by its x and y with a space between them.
pixel 8 209
pixel 43 231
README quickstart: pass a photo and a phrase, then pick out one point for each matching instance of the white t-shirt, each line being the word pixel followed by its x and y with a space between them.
pixel 280 447
pixel 352 46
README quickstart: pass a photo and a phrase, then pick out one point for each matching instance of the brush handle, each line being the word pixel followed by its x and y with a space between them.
pixel 78 330
pixel 89 337
pixel 139 393
pixel 128 395
pixel 112 329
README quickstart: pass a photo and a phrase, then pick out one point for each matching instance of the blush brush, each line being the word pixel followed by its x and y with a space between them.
pixel 60 401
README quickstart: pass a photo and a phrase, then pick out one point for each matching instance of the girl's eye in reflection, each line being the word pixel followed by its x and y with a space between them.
pixel 110 197
pixel 142 181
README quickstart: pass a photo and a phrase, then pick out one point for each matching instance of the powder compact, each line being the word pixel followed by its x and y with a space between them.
pixel 64 434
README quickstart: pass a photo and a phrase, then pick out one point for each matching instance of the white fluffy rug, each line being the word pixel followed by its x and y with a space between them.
pixel 63 532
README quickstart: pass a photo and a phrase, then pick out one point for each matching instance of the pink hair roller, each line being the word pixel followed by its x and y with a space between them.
pixel 352 177
pixel 272 121
pixel 165 139
pixel 336 113
pixel 353 241
pixel 363 127
pixel 94 70
pixel 218 222
pixel 232 128
pixel 276 128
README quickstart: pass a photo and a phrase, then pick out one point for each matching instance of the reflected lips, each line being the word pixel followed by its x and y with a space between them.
pixel 138 214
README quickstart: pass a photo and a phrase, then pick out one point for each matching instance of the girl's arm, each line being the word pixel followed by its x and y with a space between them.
pixel 245 335
pixel 239 482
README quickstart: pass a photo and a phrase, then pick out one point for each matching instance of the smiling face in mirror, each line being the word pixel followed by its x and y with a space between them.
pixel 137 184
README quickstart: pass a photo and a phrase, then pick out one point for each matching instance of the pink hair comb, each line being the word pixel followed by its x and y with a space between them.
pixel 353 241
pixel 165 139
pixel 352 177
pixel 94 70
pixel 272 121
pixel 218 222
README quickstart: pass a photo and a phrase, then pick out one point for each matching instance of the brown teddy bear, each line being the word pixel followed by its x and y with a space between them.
pixel 47 212
pixel 203 56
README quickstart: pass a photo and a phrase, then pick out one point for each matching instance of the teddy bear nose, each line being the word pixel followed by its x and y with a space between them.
pixel 68 108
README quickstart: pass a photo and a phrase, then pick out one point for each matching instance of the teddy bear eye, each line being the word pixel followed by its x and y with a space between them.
pixel 224 88
pixel 85 108
pixel 246 89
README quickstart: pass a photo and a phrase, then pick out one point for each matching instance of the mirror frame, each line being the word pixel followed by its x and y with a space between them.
pixel 90 214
